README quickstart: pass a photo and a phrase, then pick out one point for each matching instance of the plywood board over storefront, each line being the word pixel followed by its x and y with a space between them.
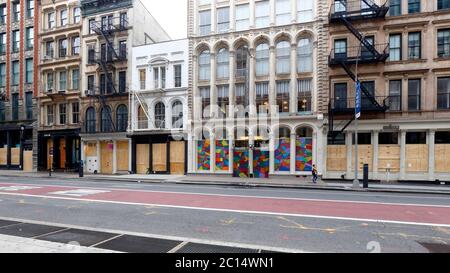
pixel 337 158
pixel 177 157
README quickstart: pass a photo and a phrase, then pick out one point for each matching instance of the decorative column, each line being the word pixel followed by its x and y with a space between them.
pixel 431 154
pixel 212 87
pixel 349 146
pixel 293 92
pixel 402 154
pixel 196 107
pixel 375 138
pixel 251 143
pixel 231 155
pixel 213 153
pixel 98 157
pixel 272 82
pixel 231 86
pixel 271 153
pixel 251 85
pixel 114 156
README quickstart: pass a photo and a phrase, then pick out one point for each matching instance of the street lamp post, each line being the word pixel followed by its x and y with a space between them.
pixel 357 116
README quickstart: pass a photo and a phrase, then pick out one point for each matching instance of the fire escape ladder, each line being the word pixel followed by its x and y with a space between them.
pixel 360 37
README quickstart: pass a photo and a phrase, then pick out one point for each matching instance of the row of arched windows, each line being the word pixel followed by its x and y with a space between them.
pixel 107 122
pixel 262 57
pixel 160 116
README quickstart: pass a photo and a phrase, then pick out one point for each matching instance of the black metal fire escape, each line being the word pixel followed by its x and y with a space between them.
pixel 106 58
pixel 345 12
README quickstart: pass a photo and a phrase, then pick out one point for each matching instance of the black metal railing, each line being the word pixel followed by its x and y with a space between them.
pixel 348 104
pixel 359 54
pixel 108 56
pixel 110 26
pixel 358 9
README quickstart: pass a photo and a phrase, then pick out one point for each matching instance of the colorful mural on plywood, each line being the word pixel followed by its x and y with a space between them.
pixel 261 164
pixel 304 155
pixel 240 163
pixel 222 155
pixel 282 155
pixel 204 155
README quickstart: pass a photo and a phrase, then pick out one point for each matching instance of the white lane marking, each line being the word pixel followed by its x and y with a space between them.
pixel 272 197
pixel 163 237
pixel 235 211
pixel 78 192
pixel 18 188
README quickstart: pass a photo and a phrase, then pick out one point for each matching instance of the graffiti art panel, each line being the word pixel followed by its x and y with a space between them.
pixel 240 163
pixel 204 155
pixel 282 155
pixel 261 164
pixel 304 155
pixel 222 155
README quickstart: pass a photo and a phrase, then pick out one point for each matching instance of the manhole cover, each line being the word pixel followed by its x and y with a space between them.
pixel 135 244
pixel 203 248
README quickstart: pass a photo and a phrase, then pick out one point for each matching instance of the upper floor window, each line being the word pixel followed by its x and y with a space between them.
pixel 159 77
pixel 64 20
pixel 414 46
pixel 223 19
pixel 62 48
pixel 76 45
pixel 2 111
pixel 2 43
pixel 395 47
pixel 204 66
pixel 205 22
pixel 92 24
pixel 16 12
pixel 443 4
pixel 262 59
pixel 50 20
pixel 29 71
pixel 16 41
pixel 443 93
pixel 204 2
pixel 242 56
pixel 142 78
pixel 304 10
pixel 395 95
pixel 29 105
pixel 177 75
pixel 160 115
pixel 443 42
pixel 262 14
pixel 75 112
pixel 3 14
pixel 283 11
pixel 106 122
pixel 15 73
pixel 304 56
pixel 223 64
pixel 2 74
pixel 30 8
pixel 413 6
pixel 30 38
pixel 177 115
pixel 395 7
pixel 242 17
pixel 91 120
pixel 283 57
pixel 76 15
pixel 122 118
pixel 50 49
pixel 283 96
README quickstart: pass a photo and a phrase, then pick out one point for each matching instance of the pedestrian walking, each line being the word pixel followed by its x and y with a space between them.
pixel 315 174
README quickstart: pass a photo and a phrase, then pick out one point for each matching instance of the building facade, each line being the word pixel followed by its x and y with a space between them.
pixel 19 22
pixel 259 86
pixel 112 29
pixel 402 51
pixel 159 107
pixel 60 89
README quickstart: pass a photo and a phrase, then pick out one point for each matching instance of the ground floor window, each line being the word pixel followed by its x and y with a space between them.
pixel 204 152
pixel 304 149
pixel 283 150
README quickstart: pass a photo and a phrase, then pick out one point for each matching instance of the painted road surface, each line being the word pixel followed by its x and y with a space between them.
pixel 436 215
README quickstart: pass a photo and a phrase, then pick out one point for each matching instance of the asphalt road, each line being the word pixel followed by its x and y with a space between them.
pixel 262 227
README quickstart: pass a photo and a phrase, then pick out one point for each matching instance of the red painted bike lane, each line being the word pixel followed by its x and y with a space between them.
pixel 322 208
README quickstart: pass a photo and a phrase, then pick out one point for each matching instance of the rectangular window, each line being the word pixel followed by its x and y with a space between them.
pixel 50 49
pixel 388 138
pixel 75 112
pixel 75 79
pixel 62 48
pixel 304 11
pixel 443 42
pixel 395 47
pixel 414 45
pixel 206 101
pixel 2 111
pixel 395 95
pixel 241 95
pixel 50 82
pixel 62 81
pixel 142 78
pixel 283 96
pixel 29 105
pixel 2 74
pixel 102 84
pixel 283 11
pixel 416 138
pixel 90 83
pixel 123 50
pixel 242 17
pixel 262 97
pixel 205 22
pixel 15 73
pixel 50 115
pixel 304 91
pixel 123 20
pixel 395 7
pixel 340 96
pixel 76 46
pixel 29 75
pixel 369 86
pixel 16 12
pixel 177 74
pixel 76 15
pixel 223 19
pixel 122 81
pixel 443 93
pixel 414 94
pixel 3 43
pixel 91 26
pixel 443 4
pixel 30 8
pixel 223 99
pixel 62 113
pixel 413 6
pixel 30 38
pixel 50 20
pixel 262 14
pixel 63 17
pixel 110 82
pixel 3 14
pixel 340 49
pixel 15 106
pixel 16 41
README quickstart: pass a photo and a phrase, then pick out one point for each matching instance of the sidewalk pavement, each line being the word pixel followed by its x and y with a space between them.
pixel 227 180
pixel 12 244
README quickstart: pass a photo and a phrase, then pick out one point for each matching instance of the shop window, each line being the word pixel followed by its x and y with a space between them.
pixel 416 138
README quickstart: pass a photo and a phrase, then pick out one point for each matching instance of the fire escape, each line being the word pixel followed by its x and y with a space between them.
pixel 340 108
pixel 107 56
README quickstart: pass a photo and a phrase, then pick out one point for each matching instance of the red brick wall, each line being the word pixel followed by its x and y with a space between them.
pixel 22 48
pixel 8 48
pixel 36 50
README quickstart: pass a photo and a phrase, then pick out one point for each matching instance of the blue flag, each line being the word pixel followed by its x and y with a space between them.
pixel 358 100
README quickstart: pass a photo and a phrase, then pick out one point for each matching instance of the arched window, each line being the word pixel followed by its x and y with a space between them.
pixel 241 61
pixel 160 115
pixel 304 149
pixel 283 57
pixel 204 66
pixel 283 150
pixel 122 118
pixel 90 120
pixel 177 115
pixel 106 120
pixel 262 60
pixel 304 56
pixel 223 64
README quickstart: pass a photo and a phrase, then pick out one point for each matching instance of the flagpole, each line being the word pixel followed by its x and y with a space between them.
pixel 357 114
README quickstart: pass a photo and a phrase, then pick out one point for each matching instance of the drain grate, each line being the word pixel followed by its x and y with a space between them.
pixel 203 248
pixel 135 244
pixel 28 230
pixel 83 237
pixel 4 223
pixel 436 248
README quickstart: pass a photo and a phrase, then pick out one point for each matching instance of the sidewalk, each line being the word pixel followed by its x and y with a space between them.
pixel 226 180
